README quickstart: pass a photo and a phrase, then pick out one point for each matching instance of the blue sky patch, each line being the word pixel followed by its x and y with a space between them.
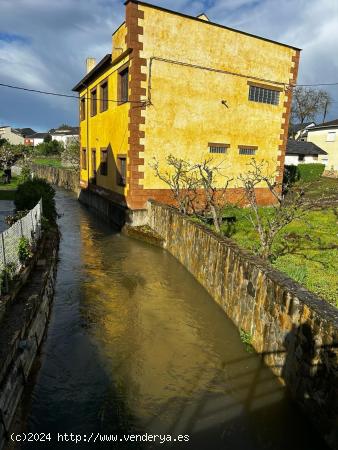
pixel 11 37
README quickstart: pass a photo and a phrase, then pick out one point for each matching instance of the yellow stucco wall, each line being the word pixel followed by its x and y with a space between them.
pixel 319 137
pixel 107 129
pixel 186 111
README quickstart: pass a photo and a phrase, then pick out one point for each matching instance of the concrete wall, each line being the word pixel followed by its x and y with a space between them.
pixel 295 331
pixel 13 138
pixel 68 179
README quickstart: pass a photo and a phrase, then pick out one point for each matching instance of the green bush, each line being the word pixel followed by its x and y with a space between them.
pixel 49 148
pixel 310 172
pixel 291 174
pixel 24 250
pixel 29 193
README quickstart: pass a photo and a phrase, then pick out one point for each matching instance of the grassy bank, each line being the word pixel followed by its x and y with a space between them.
pixel 314 264
pixel 50 162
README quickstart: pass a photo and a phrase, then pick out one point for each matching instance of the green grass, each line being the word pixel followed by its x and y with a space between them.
pixel 10 186
pixel 51 162
pixel 314 265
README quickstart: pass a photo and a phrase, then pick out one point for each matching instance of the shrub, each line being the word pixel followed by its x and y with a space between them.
pixel 310 172
pixel 24 250
pixel 49 148
pixel 29 193
pixel 291 174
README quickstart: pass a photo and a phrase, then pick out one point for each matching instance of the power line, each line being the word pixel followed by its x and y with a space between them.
pixel 316 84
pixel 36 91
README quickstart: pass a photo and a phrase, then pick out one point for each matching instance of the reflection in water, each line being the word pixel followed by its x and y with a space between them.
pixel 135 344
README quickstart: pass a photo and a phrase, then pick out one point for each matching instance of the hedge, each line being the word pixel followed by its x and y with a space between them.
pixel 29 193
pixel 304 172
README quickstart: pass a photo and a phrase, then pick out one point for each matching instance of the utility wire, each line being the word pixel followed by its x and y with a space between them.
pixel 61 95
pixel 55 94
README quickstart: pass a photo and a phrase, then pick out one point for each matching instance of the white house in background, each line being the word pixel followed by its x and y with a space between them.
pixel 325 135
pixel 11 134
pixel 302 152
pixel 38 138
pixel 65 134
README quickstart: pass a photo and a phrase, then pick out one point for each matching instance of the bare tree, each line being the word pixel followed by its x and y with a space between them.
pixel 289 206
pixel 210 177
pixel 181 179
pixel 308 103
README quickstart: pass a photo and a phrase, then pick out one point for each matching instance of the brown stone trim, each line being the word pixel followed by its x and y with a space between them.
pixel 286 116
pixel 265 86
pixel 136 91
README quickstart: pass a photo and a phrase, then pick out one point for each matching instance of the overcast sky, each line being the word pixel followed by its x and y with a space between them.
pixel 44 43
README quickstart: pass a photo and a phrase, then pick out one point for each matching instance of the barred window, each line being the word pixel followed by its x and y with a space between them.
pixel 246 150
pixel 217 148
pixel 263 95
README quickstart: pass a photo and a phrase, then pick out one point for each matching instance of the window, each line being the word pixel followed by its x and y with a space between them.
pixel 104 162
pixel 93 102
pixel 331 136
pixel 263 95
pixel 82 108
pixel 247 150
pixel 217 148
pixel 84 159
pixel 121 170
pixel 104 96
pixel 94 161
pixel 122 85
pixel 301 158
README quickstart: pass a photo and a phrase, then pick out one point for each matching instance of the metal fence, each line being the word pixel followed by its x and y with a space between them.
pixel 29 227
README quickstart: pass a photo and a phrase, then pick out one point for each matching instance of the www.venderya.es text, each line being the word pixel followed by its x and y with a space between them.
pixel 97 438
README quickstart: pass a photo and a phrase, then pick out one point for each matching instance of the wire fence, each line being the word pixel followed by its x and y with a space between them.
pixel 28 227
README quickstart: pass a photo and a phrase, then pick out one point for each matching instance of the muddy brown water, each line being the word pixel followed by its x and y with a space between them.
pixel 136 346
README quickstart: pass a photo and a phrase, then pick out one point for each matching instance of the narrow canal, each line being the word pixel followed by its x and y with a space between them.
pixel 136 345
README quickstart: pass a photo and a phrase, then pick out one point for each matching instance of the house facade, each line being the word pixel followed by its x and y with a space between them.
pixel 65 135
pixel 302 152
pixel 12 135
pixel 181 85
pixel 325 136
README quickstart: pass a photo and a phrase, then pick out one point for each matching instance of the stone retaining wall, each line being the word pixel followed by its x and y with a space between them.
pixel 295 331
pixel 66 178
pixel 21 334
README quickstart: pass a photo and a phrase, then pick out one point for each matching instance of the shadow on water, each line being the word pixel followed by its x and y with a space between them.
pixel 136 345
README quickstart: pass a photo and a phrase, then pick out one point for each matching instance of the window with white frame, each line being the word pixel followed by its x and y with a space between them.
pixel 331 136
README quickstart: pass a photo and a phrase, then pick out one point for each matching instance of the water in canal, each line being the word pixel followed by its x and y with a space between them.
pixel 136 345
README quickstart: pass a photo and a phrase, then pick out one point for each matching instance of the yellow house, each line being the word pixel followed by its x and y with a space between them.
pixel 181 85
pixel 325 136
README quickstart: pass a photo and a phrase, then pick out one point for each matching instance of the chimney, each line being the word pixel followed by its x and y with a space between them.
pixel 90 64
pixel 203 17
